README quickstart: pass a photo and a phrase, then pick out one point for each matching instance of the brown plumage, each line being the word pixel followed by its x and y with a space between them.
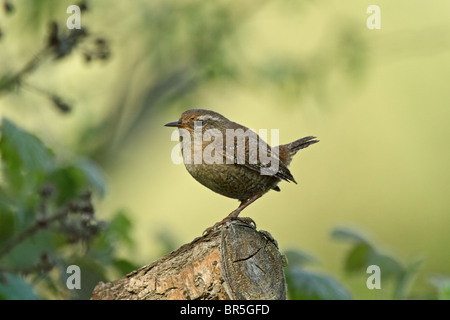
pixel 240 174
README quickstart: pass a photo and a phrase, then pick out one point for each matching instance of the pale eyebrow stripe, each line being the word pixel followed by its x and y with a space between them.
pixel 208 117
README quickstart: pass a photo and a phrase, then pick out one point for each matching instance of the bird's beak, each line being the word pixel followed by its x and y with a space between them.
pixel 177 124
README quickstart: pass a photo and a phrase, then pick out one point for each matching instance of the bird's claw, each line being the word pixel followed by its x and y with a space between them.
pixel 246 220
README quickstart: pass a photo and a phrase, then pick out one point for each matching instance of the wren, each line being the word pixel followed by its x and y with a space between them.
pixel 232 160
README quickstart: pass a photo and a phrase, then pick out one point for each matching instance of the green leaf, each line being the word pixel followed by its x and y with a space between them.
pixel 7 224
pixel 358 258
pixel 120 227
pixel 405 279
pixel 92 271
pixel 19 145
pixel 69 182
pixel 305 285
pixel 364 254
pixel 444 292
pixel 299 258
pixel 348 235
pixel 13 287
pixel 117 233
pixel 389 266
pixel 29 251
pixel 25 163
pixel 93 174
pixel 442 283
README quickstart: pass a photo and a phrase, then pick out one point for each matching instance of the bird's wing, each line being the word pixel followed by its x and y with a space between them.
pixel 257 156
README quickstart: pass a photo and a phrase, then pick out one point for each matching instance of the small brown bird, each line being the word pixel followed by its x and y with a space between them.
pixel 232 160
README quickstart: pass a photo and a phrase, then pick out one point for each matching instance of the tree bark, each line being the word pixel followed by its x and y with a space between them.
pixel 234 262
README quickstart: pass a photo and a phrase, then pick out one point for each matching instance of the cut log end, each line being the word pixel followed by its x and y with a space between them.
pixel 234 262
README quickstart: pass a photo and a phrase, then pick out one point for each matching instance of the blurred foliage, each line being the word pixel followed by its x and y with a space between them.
pixel 48 219
pixel 303 284
pixel 442 284
pixel 47 215
pixel 307 285
pixel 183 47
pixel 60 43
pixel 364 254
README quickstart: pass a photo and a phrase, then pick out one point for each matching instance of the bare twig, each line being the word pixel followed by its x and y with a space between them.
pixel 37 226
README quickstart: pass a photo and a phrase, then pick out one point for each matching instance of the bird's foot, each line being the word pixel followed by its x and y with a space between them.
pixel 246 220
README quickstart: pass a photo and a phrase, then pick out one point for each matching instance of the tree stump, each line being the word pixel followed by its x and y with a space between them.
pixel 235 262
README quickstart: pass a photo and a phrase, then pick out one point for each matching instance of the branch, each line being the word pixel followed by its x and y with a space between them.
pixel 38 225
pixel 234 262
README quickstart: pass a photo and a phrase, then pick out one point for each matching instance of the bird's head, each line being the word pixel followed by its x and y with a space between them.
pixel 199 117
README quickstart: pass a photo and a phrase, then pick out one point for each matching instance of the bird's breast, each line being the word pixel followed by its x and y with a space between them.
pixel 231 180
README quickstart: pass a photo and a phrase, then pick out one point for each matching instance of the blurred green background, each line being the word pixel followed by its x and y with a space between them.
pixel 376 99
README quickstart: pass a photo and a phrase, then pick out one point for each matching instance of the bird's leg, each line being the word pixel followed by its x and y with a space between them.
pixel 244 204
pixel 235 213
